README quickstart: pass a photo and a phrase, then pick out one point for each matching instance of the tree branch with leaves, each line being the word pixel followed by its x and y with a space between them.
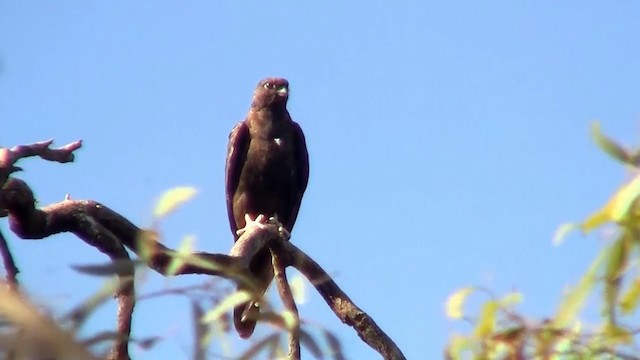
pixel 500 332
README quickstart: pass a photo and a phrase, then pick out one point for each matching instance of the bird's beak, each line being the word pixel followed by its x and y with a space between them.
pixel 283 91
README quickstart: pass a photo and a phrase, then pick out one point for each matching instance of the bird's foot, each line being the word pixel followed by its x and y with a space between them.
pixel 284 233
pixel 260 222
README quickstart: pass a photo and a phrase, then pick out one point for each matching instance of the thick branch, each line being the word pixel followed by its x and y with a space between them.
pixel 102 228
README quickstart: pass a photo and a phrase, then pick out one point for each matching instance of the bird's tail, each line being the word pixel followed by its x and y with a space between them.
pixel 246 314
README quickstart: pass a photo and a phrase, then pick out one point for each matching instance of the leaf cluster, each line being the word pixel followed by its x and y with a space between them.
pixel 500 332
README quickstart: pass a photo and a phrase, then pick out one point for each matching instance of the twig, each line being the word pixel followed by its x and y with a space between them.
pixel 284 290
pixel 9 264
pixel 8 157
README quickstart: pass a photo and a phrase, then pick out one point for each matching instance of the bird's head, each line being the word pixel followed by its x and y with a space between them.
pixel 271 91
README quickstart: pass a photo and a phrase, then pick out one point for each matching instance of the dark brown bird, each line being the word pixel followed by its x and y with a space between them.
pixel 266 172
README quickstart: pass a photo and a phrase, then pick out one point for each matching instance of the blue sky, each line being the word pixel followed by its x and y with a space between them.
pixel 447 141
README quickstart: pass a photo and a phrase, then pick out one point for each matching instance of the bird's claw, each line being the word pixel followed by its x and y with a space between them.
pixel 261 222
pixel 283 232
pixel 258 222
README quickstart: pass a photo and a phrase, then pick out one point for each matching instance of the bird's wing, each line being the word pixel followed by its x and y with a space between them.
pixel 236 156
pixel 301 173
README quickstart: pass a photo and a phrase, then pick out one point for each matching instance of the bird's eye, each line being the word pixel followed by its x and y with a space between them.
pixel 269 85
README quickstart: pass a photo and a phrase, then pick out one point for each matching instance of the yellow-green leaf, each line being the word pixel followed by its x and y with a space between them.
pixel 597 219
pixel 171 199
pixel 290 319
pixel 147 243
pixel 458 346
pixel 512 298
pixel 615 335
pixel 486 322
pixel 573 301
pixel 180 258
pixel 455 303
pixel 617 257
pixel 609 146
pixel 617 208
pixel 297 285
pixel 562 232
pixel 625 198
pixel 227 304
pixel 629 300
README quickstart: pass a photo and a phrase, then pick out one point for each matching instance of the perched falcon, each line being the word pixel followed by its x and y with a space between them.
pixel 266 173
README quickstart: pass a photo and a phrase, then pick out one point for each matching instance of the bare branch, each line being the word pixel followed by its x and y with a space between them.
pixel 103 228
pixel 8 157
pixel 287 298
pixel 9 264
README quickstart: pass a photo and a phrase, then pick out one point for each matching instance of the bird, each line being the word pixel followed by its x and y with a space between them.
pixel 266 173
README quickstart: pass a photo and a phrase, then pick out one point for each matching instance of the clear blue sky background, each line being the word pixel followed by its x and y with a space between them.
pixel 447 141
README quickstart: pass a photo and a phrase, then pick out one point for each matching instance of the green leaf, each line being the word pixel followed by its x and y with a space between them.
pixel 180 258
pixel 290 319
pixel 616 265
pixel 616 335
pixel 227 304
pixel 597 219
pixel 617 208
pixel 297 285
pixel 487 321
pixel 171 199
pixel 617 257
pixel 146 243
pixel 512 298
pixel 562 232
pixel 458 346
pixel 629 300
pixel 573 301
pixel 625 198
pixel 455 303
pixel 609 146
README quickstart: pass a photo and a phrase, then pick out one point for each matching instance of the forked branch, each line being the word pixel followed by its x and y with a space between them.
pixel 110 233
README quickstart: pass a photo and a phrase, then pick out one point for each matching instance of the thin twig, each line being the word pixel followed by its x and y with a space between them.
pixel 8 157
pixel 9 264
pixel 286 295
